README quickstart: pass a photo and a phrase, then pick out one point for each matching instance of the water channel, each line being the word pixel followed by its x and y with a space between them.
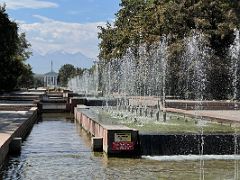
pixel 57 148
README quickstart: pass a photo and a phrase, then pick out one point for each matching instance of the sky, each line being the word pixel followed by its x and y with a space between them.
pixel 62 25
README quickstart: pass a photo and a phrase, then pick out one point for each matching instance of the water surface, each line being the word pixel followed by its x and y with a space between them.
pixel 58 149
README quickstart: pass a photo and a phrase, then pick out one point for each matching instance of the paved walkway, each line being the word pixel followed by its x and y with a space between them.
pixel 231 115
pixel 220 111
pixel 12 117
pixel 10 121
pixel 13 123
pixel 218 115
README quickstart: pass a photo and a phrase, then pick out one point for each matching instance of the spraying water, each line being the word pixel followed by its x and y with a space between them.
pixel 235 60
pixel 87 83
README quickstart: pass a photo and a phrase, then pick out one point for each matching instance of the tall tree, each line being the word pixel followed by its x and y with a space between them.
pixel 144 22
pixel 13 52
pixel 66 72
pixel 26 79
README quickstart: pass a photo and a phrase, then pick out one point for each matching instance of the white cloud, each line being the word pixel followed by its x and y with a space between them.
pixel 50 35
pixel 31 4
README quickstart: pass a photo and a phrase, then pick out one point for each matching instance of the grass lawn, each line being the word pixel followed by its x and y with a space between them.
pixel 175 124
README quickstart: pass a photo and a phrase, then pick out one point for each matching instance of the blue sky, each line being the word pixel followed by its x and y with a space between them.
pixel 62 25
pixel 80 11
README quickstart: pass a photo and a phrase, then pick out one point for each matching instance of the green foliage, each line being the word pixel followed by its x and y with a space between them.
pixel 79 71
pixel 66 72
pixel 13 52
pixel 26 79
pixel 38 81
pixel 141 22
pixel 145 21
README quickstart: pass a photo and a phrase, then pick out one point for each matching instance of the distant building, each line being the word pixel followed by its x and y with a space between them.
pixel 50 78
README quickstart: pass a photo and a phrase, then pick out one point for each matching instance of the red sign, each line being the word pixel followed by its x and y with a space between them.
pixel 123 146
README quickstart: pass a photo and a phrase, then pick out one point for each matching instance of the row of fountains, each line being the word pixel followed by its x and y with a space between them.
pixel 147 74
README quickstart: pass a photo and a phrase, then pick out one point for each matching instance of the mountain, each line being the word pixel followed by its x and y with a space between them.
pixel 41 64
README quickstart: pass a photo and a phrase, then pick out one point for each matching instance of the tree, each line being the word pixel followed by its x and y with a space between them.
pixel 144 22
pixel 66 72
pixel 79 71
pixel 26 79
pixel 38 81
pixel 107 45
pixel 13 52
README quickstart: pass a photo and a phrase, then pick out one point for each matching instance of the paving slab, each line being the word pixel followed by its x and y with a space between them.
pixel 232 115
pixel 14 124
pixel 10 120
pixel 218 115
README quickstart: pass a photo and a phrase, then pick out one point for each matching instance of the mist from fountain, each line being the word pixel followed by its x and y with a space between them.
pixel 138 75
pixel 234 53
pixel 235 64
pixel 85 84
pixel 194 64
pixel 143 75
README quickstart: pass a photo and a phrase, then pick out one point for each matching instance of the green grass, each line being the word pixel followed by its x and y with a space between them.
pixel 174 124
pixel 180 128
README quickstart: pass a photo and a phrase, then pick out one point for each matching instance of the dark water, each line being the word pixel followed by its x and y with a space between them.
pixel 58 149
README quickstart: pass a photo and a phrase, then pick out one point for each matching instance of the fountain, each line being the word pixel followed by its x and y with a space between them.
pixel 194 65
pixel 235 60
pixel 85 84
pixel 138 83
pixel 169 127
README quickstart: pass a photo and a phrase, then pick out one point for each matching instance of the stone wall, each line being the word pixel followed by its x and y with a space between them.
pixel 187 144
pixel 112 145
